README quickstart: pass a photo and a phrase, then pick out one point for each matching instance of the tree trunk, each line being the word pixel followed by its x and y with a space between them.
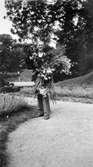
pixel 40 104
pixel 46 107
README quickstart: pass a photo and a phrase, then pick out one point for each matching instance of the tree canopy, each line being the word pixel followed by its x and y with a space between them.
pixel 63 23
pixel 38 22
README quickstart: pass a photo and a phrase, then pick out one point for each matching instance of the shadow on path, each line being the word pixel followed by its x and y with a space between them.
pixel 9 123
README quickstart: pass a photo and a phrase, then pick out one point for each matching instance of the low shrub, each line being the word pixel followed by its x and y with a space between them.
pixel 11 103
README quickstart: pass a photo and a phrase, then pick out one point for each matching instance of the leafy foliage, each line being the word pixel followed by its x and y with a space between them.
pixel 68 23
pixel 39 21
pixel 5 51
pixel 12 57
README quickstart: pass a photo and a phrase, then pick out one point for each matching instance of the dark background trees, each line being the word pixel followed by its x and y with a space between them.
pixel 12 57
pixel 5 52
pixel 80 43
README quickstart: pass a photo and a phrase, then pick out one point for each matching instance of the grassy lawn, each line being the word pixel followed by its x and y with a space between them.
pixel 76 89
pixel 67 93
pixel 75 94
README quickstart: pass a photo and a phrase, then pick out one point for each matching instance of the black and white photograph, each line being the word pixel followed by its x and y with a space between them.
pixel 46 83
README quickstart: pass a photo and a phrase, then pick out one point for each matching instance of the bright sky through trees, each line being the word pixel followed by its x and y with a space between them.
pixel 5 24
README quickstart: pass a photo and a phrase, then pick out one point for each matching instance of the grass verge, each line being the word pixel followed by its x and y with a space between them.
pixel 9 121
pixel 78 94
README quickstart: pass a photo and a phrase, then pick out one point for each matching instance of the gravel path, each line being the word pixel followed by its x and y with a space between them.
pixel 65 140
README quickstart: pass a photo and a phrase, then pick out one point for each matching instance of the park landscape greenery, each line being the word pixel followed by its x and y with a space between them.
pixel 69 24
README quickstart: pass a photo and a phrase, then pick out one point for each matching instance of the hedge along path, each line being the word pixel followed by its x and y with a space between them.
pixel 65 140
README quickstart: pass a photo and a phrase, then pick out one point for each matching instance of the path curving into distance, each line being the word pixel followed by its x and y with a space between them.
pixel 65 140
